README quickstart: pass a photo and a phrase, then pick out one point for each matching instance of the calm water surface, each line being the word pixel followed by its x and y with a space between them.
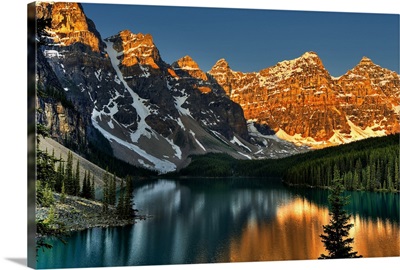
pixel 229 220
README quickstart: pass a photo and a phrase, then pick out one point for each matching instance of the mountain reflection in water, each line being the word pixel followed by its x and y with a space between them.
pixel 231 220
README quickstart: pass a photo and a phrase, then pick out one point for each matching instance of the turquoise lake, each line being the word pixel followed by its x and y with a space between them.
pixel 228 220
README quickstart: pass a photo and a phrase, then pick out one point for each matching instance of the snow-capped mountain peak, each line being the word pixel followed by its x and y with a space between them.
pixel 301 101
pixel 152 114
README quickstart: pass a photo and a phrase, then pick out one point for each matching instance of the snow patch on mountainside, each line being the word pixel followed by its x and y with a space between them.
pixel 339 138
pixel 239 143
pixel 158 164
pixel 179 101
pixel 253 131
pixel 298 140
pixel 197 141
pixel 103 120
pixel 247 156
pixel 396 109
pixel 178 151
pixel 285 69
pixel 141 109
pixel 358 133
pixel 271 146
pixel 219 136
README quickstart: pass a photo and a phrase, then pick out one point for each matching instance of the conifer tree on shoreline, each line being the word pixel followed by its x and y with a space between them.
pixel 106 190
pixel 76 182
pixel 335 237
pixel 92 188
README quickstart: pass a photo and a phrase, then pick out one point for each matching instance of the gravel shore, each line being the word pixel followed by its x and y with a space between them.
pixel 77 214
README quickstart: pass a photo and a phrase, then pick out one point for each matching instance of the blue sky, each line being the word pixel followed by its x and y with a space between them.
pixel 251 40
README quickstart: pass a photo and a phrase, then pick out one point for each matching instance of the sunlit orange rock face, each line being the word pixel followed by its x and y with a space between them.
pixel 187 65
pixel 172 73
pixel 301 97
pixel 186 68
pixel 139 49
pixel 69 24
pixel 371 95
pixel 204 89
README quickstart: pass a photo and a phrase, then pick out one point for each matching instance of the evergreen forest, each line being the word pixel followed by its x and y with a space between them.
pixel 370 164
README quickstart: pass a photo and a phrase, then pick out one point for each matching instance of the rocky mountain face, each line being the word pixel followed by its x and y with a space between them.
pixel 371 95
pixel 69 25
pixel 120 91
pixel 186 66
pixel 68 67
pixel 301 102
pixel 119 95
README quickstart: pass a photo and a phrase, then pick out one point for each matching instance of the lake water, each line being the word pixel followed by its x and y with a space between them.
pixel 229 220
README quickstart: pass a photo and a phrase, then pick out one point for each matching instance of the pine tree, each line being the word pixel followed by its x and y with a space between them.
pixel 92 189
pixel 358 170
pixel 128 199
pixel 373 179
pixel 63 196
pixel 363 182
pixel 113 190
pixel 336 174
pixel 389 181
pixel 69 187
pixel 329 175
pixel 76 182
pixel 335 237
pixel 45 175
pixel 48 198
pixel 85 187
pixel 59 176
pixel 121 206
pixel 378 175
pixel 45 170
pixel 396 179
pixel 355 180
pixel 368 174
pixel 106 190
pixel 88 186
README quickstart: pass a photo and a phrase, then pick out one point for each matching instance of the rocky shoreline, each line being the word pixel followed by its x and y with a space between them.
pixel 76 214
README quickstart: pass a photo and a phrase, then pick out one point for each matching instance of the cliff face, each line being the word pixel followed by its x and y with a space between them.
pixel 303 103
pixel 155 115
pixel 187 66
pixel 137 49
pixel 69 25
pixel 371 95
pixel 151 113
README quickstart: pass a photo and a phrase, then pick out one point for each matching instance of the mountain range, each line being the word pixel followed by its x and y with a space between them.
pixel 304 104
pixel 117 94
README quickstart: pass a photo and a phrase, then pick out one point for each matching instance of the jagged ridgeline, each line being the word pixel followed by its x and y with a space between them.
pixel 114 98
pixel 117 96
pixel 300 101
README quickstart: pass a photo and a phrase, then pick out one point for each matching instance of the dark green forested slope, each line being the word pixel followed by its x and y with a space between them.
pixel 369 164
pixel 223 165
